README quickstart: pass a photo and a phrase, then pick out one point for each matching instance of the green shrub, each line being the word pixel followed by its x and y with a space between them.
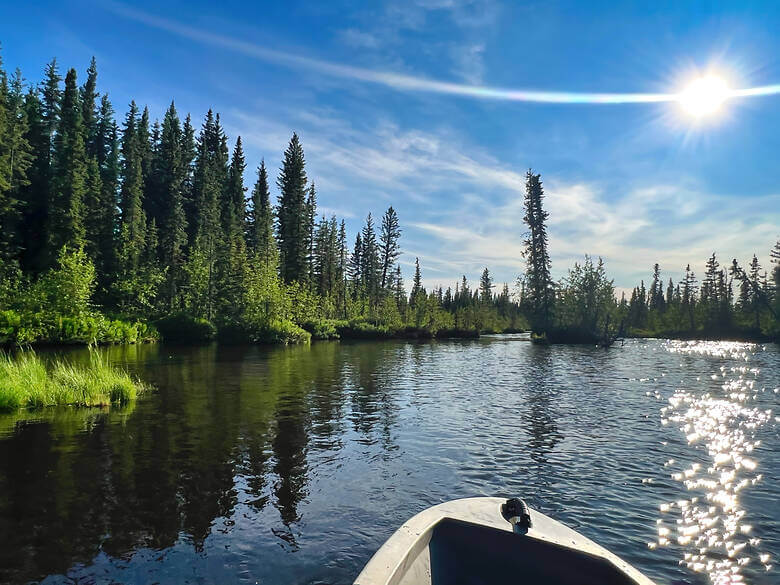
pixel 284 332
pixel 322 329
pixel 89 328
pixel 358 329
pixel 184 328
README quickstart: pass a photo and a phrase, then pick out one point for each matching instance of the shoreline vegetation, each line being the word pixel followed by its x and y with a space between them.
pixel 27 381
pixel 145 231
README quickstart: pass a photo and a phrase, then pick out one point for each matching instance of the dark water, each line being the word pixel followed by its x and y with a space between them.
pixel 293 465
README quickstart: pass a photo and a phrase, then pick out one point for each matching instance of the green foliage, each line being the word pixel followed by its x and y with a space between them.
pixel 266 297
pixel 283 332
pixel 27 382
pixel 323 329
pixel 586 300
pixel 28 328
pixel 157 224
pixel 359 329
pixel 67 288
pixel 185 328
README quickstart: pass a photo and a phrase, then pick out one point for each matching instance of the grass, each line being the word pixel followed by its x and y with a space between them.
pixel 27 382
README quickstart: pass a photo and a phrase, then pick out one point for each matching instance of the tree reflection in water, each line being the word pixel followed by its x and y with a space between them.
pixel 541 393
pixel 226 424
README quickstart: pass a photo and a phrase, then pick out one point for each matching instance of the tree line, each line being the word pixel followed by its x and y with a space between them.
pixel 106 227
pixel 731 302
pixel 104 224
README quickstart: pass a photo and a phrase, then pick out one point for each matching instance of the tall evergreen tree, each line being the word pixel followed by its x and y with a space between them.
pixel 538 281
pixel 774 254
pixel 292 213
pixel 170 174
pixel 15 162
pixel 209 182
pixel 417 288
pixel 233 203
pixel 88 111
pixel 34 195
pixel 104 233
pixel 133 218
pixel 355 267
pixel 232 254
pixel 66 205
pixel 341 271
pixel 389 249
pixel 260 231
pixel 311 216
pixel 188 154
pixel 399 292
pixel 370 262
pixel 689 290
pixel 485 287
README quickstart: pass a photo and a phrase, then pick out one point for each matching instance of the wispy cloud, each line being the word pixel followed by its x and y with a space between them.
pixel 469 62
pixel 359 39
pixel 397 81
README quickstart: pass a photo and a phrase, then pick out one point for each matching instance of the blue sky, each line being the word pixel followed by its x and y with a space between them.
pixel 633 183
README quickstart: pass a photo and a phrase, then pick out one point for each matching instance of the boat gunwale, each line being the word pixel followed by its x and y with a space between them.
pixel 390 563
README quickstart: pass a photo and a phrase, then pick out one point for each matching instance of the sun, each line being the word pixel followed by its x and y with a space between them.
pixel 704 96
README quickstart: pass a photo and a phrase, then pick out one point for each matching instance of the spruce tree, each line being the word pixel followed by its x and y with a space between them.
pixel 88 111
pixel 370 262
pixel 486 287
pixel 103 234
pixel 292 213
pixel 417 288
pixel 51 96
pixel 231 257
pixel 209 183
pixel 260 231
pixel 66 205
pixel 355 267
pixel 170 174
pixel 389 249
pixel 144 145
pixel 399 292
pixel 188 154
pixel 539 283
pixel 132 243
pixel 341 270
pixel 15 163
pixel 774 254
pixel 689 291
pixel 311 216
pixel 233 204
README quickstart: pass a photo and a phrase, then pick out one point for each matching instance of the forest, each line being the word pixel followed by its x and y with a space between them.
pixel 134 230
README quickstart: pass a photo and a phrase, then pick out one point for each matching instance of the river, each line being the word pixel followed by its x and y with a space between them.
pixel 291 465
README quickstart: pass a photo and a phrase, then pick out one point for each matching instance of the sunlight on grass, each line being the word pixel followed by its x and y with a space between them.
pixel 27 382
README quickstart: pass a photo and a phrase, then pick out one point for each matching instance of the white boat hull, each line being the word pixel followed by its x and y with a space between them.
pixel 469 541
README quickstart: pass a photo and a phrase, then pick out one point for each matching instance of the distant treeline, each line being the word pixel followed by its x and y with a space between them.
pixel 105 229
pixel 114 233
pixel 731 303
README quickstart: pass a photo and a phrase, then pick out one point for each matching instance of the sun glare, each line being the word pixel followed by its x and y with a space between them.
pixel 704 96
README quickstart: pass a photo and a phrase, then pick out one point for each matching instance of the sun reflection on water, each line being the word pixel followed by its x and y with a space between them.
pixel 716 416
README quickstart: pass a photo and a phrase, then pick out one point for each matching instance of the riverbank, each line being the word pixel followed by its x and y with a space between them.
pixel 745 335
pixel 27 381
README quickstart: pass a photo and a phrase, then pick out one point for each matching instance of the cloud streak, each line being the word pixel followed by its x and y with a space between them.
pixel 399 81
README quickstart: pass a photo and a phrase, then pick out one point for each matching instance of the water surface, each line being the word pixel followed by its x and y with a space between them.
pixel 292 465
